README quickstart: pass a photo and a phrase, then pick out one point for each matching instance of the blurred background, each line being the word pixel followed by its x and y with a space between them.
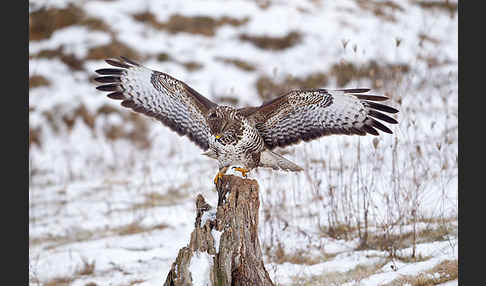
pixel 112 193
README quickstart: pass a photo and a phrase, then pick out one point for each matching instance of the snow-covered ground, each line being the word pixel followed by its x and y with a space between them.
pixel 108 208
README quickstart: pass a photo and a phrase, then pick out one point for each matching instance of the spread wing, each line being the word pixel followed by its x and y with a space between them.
pixel 310 114
pixel 160 96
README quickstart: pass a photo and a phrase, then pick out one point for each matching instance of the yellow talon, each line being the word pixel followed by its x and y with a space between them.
pixel 242 170
pixel 220 174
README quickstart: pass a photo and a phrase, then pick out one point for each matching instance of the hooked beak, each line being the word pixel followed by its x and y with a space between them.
pixel 217 136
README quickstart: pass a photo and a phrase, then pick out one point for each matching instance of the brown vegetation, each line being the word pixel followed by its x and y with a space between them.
pixel 446 5
pixel 57 121
pixel 80 112
pixel 136 227
pixel 87 268
pixel 113 49
pixel 189 65
pixel 43 22
pixel 441 273
pixel 38 80
pixel 69 59
pixel 392 243
pixel 338 278
pixel 138 134
pixel 301 256
pixel 241 64
pixel 268 89
pixel 273 43
pixel 382 9
pixel 192 65
pixel 34 136
pixel 59 281
pixel 199 25
pixel 378 73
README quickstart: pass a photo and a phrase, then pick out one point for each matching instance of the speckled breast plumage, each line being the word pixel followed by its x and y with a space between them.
pixel 241 147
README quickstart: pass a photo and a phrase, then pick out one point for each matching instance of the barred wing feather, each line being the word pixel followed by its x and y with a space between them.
pixel 158 95
pixel 310 114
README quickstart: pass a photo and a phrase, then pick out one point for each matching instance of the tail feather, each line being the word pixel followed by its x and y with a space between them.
pixel 269 159
pixel 211 154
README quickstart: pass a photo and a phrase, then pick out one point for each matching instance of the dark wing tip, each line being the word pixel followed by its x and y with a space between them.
pixel 370 130
pixel 109 71
pixel 371 97
pixel 355 90
pixel 129 61
pixel 381 116
pixel 108 79
pixel 116 95
pixel 117 63
pixel 108 87
pixel 381 107
pixel 380 126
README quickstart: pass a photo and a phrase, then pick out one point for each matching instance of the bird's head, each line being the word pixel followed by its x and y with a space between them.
pixel 218 119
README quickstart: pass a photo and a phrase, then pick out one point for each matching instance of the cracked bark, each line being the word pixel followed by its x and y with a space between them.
pixel 238 259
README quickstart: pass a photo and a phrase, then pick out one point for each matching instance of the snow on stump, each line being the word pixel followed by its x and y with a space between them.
pixel 224 247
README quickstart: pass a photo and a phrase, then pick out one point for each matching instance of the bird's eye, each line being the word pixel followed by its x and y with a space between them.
pixel 212 115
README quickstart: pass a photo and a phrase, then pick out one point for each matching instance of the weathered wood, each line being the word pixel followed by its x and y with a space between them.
pixel 237 260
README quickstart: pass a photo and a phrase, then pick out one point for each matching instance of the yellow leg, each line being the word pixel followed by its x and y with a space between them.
pixel 220 174
pixel 242 170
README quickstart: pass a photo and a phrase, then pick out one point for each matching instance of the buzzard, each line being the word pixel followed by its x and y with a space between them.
pixel 244 137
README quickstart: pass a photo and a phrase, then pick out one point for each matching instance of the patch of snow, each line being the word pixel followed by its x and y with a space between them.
pixel 217 238
pixel 200 267
pixel 208 215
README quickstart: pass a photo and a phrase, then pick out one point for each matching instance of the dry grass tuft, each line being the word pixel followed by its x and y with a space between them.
pixel 381 9
pixel 44 22
pixel 147 17
pixel 268 89
pixel 393 242
pixel 133 282
pixel 85 235
pixel 441 273
pixel 139 134
pixel 338 278
pixel 38 80
pixel 87 268
pixel 192 65
pixel 446 5
pixel 377 73
pixel 135 227
pixel 69 59
pixel 34 136
pixel 199 25
pixel 59 281
pixel 243 65
pixel 300 257
pixel 189 65
pixel 339 231
pixel 155 199
pixel 273 43
pixel 80 112
pixel 163 57
pixel 59 121
pixel 113 49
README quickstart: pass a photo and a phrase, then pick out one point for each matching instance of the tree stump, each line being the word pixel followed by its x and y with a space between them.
pixel 224 248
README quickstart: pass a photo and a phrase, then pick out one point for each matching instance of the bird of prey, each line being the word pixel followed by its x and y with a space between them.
pixel 244 137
